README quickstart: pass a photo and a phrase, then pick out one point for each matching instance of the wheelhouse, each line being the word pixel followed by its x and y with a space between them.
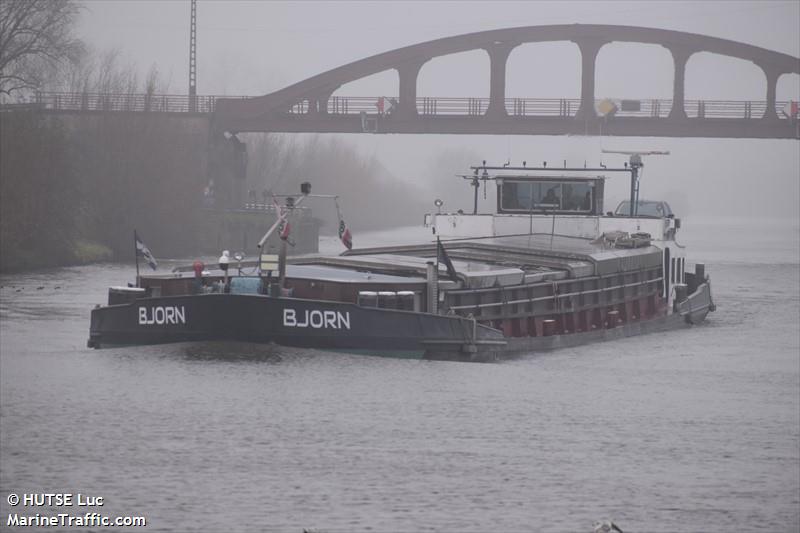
pixel 550 195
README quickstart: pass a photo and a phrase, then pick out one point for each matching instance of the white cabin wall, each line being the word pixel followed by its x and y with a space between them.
pixel 577 226
pixel 588 227
pixel 460 226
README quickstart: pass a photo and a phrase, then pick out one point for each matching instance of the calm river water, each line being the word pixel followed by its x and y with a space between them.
pixel 693 431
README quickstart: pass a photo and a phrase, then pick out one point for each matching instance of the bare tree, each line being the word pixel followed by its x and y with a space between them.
pixel 153 82
pixel 93 71
pixel 75 75
pixel 35 36
pixel 110 76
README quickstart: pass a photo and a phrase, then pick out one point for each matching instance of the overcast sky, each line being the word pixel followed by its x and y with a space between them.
pixel 253 48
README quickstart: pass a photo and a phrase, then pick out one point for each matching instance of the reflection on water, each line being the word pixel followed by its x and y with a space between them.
pixel 694 430
pixel 232 352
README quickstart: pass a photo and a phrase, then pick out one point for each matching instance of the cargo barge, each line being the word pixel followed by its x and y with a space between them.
pixel 547 268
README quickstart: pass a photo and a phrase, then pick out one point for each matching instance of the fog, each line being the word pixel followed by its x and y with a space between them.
pixel 253 48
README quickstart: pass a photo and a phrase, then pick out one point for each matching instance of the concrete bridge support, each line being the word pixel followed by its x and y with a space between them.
pixel 498 59
pixel 772 75
pixel 407 74
pixel 680 56
pixel 589 48
pixel 227 168
pixel 318 103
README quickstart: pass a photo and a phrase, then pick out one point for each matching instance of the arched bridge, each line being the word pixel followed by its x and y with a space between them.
pixel 308 106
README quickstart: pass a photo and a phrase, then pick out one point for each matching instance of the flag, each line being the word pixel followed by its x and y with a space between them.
pixel 345 236
pixel 284 229
pixel 144 251
pixel 441 257
pixel 283 216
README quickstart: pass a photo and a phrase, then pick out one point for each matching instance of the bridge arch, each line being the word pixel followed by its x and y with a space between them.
pixel 248 114
pixel 708 77
pixel 531 74
pixel 462 74
pixel 619 62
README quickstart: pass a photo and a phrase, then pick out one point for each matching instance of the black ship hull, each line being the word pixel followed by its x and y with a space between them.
pixel 285 321
pixel 347 327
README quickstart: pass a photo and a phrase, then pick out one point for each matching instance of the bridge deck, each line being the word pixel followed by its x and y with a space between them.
pixel 521 116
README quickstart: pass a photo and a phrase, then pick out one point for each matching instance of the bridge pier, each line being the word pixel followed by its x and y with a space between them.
pixel 318 102
pixel 772 75
pixel 407 74
pixel 498 58
pixel 589 48
pixel 680 56
pixel 227 167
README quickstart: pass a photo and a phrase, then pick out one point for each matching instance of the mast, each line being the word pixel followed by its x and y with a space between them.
pixel 636 165
pixel 193 57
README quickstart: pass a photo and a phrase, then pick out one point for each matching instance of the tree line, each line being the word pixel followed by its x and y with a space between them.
pixel 371 197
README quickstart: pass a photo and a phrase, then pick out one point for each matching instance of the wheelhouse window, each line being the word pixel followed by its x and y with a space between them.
pixel 547 196
pixel 645 208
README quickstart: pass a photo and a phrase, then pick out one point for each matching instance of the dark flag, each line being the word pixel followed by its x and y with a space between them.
pixel 144 251
pixel 284 230
pixel 345 236
pixel 441 257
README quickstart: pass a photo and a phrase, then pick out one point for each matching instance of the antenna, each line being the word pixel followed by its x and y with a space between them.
pixel 193 57
pixel 635 165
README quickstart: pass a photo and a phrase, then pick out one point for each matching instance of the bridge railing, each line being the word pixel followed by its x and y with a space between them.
pixel 158 103
pixel 426 106
pixel 542 107
pixel 568 107
pixel 729 108
pixel 549 107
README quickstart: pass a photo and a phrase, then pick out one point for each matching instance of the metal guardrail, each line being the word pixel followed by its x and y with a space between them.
pixel 550 107
pixel 158 103
pixel 426 106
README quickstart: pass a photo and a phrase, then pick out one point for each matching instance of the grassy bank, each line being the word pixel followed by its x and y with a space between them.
pixel 79 253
